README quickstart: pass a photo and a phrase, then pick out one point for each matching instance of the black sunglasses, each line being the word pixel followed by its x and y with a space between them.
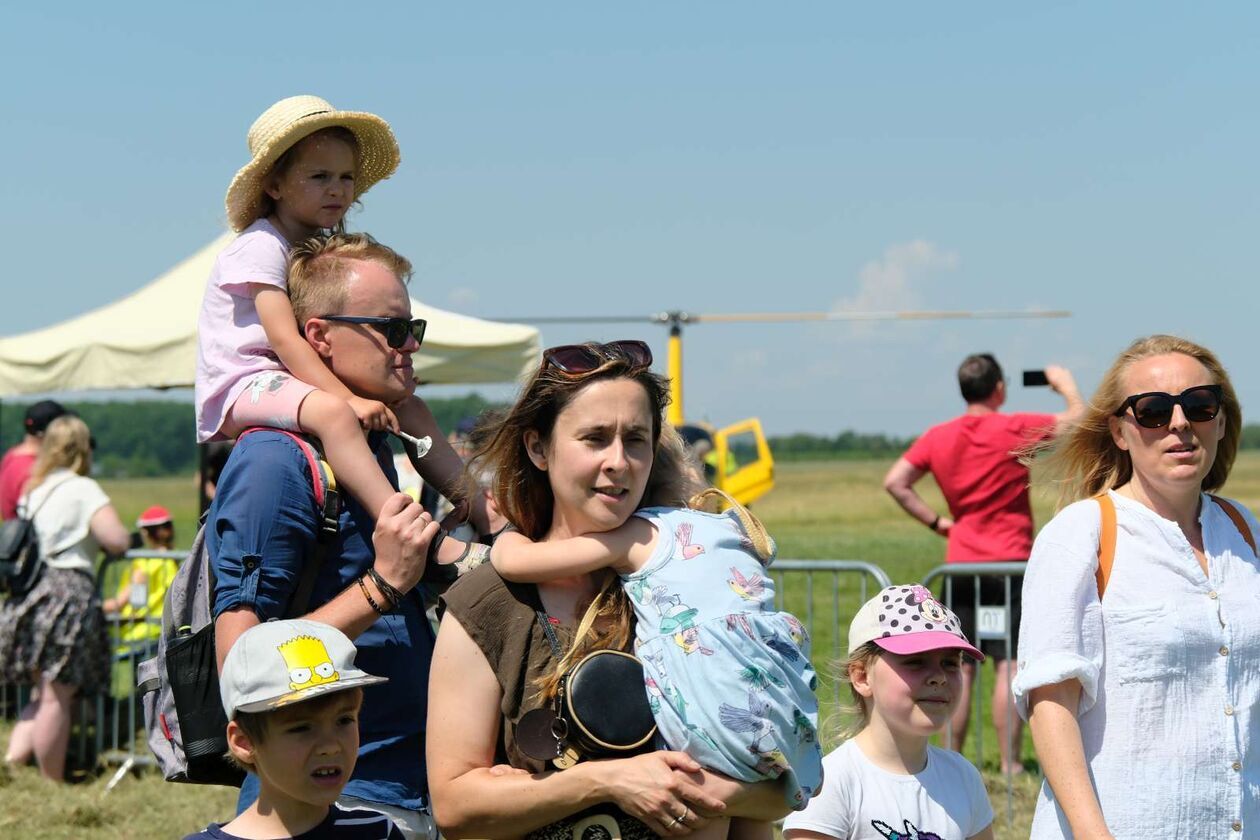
pixel 584 358
pixel 395 330
pixel 1154 409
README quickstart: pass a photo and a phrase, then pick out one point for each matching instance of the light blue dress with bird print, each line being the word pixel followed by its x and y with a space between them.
pixel 728 676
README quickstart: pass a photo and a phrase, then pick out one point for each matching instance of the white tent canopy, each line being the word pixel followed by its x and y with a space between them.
pixel 149 340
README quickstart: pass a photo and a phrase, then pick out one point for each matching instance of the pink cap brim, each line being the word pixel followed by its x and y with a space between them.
pixel 928 640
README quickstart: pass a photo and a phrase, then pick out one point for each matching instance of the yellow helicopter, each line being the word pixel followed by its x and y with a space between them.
pixel 736 458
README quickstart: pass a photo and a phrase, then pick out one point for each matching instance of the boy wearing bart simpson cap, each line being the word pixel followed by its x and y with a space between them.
pixel 292 697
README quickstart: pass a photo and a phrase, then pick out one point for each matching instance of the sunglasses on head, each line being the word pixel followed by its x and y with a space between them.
pixel 584 358
pixel 1154 409
pixel 395 330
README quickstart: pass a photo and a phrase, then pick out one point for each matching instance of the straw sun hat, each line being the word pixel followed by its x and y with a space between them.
pixel 283 125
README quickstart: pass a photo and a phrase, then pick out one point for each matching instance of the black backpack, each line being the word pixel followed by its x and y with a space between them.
pixel 179 686
pixel 20 560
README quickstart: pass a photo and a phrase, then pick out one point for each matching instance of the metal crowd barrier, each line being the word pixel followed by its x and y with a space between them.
pixel 133 632
pixel 848 584
pixel 994 622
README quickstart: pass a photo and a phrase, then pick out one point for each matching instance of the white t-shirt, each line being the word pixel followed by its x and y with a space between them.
pixel 63 505
pixel 860 801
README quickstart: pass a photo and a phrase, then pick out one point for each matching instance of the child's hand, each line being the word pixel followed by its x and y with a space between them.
pixel 373 415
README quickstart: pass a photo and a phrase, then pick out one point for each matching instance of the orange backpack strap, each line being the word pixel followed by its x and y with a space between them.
pixel 1237 519
pixel 1106 541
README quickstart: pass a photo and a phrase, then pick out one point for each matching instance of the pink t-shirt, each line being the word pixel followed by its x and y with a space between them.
pixel 15 469
pixel 231 344
pixel 973 460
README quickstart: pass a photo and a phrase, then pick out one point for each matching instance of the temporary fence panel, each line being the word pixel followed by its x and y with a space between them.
pixel 994 622
pixel 826 608
pixel 137 583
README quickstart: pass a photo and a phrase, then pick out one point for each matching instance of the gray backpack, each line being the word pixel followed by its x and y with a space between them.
pixel 179 687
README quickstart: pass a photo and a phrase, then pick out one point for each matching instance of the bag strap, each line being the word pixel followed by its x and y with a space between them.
pixel 31 515
pixel 1106 541
pixel 1107 534
pixel 584 626
pixel 1237 519
pixel 762 542
pixel 326 496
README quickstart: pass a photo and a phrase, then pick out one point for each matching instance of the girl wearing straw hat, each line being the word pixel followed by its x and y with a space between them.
pixel 309 163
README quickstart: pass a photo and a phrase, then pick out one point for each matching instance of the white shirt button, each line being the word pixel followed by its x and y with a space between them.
pixel 1212 594
pixel 1224 651
pixel 1229 710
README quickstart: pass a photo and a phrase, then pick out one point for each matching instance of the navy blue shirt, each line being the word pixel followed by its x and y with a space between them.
pixel 340 824
pixel 261 529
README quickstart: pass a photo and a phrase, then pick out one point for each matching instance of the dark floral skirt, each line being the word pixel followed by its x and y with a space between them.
pixel 57 631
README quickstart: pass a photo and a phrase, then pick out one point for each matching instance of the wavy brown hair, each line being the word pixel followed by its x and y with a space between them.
pixel 523 494
pixel 1085 461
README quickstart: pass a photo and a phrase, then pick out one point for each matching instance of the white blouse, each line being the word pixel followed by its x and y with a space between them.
pixel 1169 664
pixel 63 506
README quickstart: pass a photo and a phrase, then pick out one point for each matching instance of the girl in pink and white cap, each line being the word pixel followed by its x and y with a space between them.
pixel 887 781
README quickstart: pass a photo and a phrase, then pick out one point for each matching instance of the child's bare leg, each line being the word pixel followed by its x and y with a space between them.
pixel 334 423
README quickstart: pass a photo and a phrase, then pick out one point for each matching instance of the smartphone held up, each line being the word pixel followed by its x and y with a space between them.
pixel 1035 379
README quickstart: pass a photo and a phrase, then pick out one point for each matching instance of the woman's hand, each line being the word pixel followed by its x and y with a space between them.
pixel 648 788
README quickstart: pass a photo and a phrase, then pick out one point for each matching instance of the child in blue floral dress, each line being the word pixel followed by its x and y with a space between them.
pixel 728 677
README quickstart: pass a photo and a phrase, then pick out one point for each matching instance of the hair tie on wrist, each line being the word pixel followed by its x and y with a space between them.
pixel 935 522
pixel 431 555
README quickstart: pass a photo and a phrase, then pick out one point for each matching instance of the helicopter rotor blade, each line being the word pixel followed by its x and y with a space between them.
pixel 906 315
pixel 785 317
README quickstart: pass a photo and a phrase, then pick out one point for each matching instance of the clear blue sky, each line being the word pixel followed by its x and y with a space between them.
pixel 597 158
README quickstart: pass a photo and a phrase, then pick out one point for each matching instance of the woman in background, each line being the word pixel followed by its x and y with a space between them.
pixel 53 638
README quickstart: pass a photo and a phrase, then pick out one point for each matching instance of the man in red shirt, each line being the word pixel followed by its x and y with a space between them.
pixel 16 465
pixel 975 461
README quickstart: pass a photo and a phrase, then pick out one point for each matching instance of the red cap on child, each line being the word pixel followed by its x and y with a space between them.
pixel 156 515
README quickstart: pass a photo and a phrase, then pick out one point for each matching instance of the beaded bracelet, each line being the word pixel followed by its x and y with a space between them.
pixel 370 599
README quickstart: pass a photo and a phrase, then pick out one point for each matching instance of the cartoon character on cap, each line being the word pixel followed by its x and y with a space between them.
pixel 308 662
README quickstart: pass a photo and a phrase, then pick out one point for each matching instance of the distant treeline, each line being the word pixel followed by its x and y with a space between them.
pixel 151 437
pixel 146 438
pixel 850 444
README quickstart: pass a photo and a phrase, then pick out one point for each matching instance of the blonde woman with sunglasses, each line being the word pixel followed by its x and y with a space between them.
pixel 1140 683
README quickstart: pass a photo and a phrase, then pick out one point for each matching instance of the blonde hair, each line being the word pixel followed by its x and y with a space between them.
pixel 319 266
pixel 1085 460
pixel 522 492
pixel 853 715
pixel 66 444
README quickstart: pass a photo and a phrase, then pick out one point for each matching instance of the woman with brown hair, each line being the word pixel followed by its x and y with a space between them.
pixel 53 638
pixel 1138 668
pixel 583 448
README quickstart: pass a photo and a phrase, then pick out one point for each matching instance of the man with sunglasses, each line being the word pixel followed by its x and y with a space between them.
pixel 975 459
pixel 353 309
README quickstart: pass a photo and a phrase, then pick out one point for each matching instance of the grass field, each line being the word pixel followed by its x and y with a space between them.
pixel 820 510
